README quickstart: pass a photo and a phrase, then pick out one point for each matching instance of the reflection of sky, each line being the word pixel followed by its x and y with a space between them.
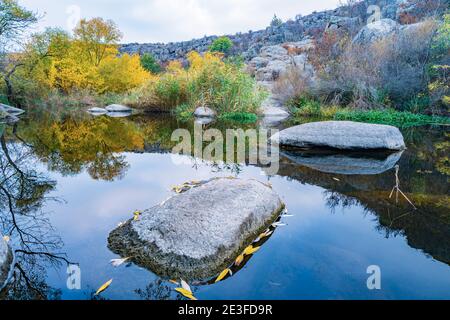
pixel 318 255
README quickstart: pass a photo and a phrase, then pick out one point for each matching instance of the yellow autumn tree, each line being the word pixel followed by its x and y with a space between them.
pixel 119 74
pixel 89 60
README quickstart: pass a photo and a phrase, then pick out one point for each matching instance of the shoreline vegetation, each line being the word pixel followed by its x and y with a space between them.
pixel 402 80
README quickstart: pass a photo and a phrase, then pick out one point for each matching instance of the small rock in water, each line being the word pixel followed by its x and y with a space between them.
pixel 97 111
pixel 204 112
pixel 118 108
pixel 6 260
pixel 197 234
pixel 343 135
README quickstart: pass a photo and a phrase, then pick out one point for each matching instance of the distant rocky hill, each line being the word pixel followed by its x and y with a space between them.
pixel 249 44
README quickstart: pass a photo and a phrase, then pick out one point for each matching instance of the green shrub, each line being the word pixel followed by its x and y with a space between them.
pixel 222 44
pixel 390 117
pixel 150 64
pixel 209 81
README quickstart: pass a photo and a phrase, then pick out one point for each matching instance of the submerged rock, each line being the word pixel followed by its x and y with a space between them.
pixel 343 135
pixel 118 108
pixel 204 112
pixel 198 233
pixel 346 164
pixel 6 260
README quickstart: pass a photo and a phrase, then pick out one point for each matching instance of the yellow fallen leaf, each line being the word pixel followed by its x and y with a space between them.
pixel 223 275
pixel 6 238
pixel 104 287
pixel 186 293
pixel 239 260
pixel 137 215
pixel 250 250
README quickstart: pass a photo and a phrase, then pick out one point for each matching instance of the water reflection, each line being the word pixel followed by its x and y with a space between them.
pixel 23 192
pixel 101 147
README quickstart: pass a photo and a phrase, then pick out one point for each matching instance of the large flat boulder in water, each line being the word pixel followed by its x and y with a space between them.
pixel 343 135
pixel 6 260
pixel 196 234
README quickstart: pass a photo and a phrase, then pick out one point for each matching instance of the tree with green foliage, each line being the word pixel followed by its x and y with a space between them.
pixel 14 21
pixel 150 64
pixel 276 22
pixel 222 44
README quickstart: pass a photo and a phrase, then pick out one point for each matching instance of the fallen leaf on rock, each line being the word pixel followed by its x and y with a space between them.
pixel 239 260
pixel 250 250
pixel 137 215
pixel 223 275
pixel 186 293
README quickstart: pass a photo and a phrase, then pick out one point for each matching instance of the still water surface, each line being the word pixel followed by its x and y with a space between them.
pixel 68 181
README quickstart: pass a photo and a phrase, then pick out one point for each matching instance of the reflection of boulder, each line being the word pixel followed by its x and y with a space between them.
pixel 5 262
pixel 118 108
pixel 198 233
pixel 343 135
pixel 97 111
pixel 427 228
pixel 345 163
pixel 119 114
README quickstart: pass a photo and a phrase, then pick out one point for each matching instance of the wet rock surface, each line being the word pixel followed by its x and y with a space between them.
pixel 195 234
pixel 5 262
pixel 342 135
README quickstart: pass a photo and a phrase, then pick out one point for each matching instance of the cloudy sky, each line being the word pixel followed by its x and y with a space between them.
pixel 174 20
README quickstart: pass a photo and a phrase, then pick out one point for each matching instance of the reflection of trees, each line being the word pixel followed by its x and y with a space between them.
pixel 71 145
pixel 23 191
pixel 157 290
pixel 422 180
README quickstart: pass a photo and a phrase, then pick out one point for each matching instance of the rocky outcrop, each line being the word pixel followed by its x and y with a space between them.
pixel 6 260
pixel 274 61
pixel 342 135
pixel 249 44
pixel 198 233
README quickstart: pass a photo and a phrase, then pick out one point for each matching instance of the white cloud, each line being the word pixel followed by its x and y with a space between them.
pixel 176 20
